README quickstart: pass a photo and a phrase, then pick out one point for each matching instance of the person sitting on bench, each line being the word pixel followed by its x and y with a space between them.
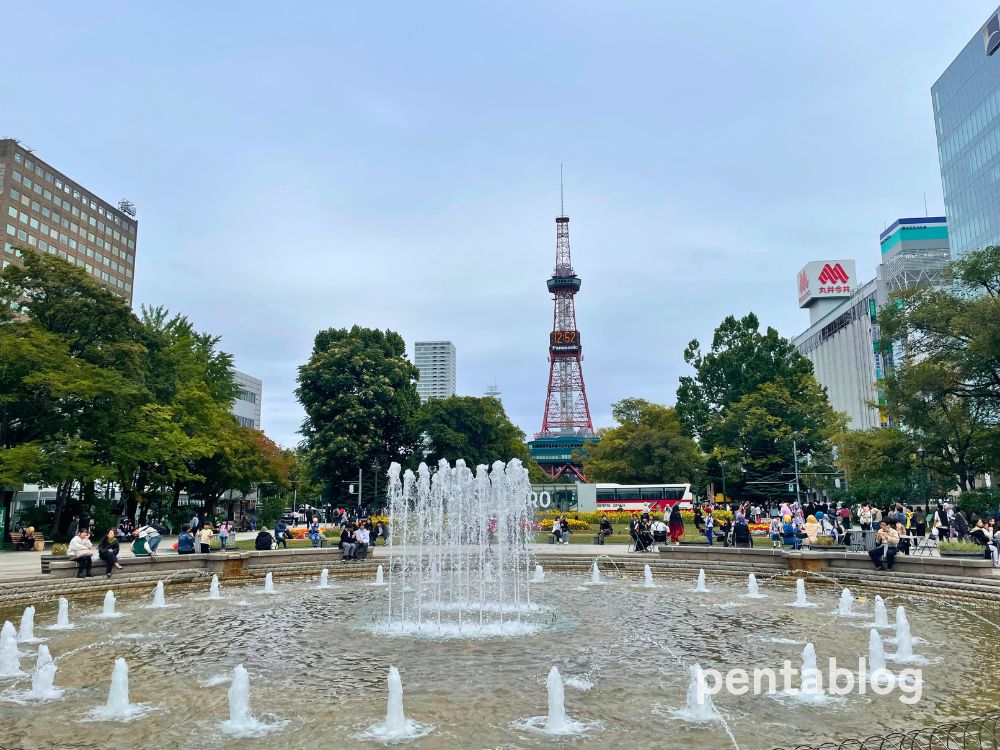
pixel 81 551
pixel 347 545
pixel 264 541
pixel 606 530
pixel 741 532
pixel 886 544
pixel 27 540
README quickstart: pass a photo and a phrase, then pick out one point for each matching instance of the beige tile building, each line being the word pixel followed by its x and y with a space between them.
pixel 44 210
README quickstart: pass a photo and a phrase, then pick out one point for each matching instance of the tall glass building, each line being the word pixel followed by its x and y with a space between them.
pixel 966 101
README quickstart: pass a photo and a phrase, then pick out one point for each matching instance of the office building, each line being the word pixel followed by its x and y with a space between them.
pixel 42 209
pixel 966 102
pixel 436 362
pixel 246 407
pixel 843 338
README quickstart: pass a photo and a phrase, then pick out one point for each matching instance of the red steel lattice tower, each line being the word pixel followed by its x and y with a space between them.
pixel 567 412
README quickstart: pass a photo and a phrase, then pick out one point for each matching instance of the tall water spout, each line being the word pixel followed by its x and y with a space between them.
pixel 239 698
pixel 904 639
pixel 109 605
pixel 557 722
pixel 26 634
pixel 595 574
pixel 118 706
pixel 753 590
pixel 395 719
pixel 800 595
pixel 876 656
pixel 881 616
pixel 699 702
pixel 809 684
pixel 62 616
pixel 647 576
pixel 379 576
pixel 539 576
pixel 846 607
pixel 43 677
pixel 268 584
pixel 213 588
pixel 461 551
pixel 159 600
pixel 324 578
pixel 700 586
pixel 10 665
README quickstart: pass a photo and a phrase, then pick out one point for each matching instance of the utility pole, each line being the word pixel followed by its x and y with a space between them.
pixel 359 489
pixel 725 499
pixel 795 454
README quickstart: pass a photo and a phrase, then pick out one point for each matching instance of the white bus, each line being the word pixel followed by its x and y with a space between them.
pixel 639 497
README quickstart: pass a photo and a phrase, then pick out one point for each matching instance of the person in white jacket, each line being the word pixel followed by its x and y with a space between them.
pixel 81 550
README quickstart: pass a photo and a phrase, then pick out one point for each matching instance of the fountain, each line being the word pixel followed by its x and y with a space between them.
pixel 42 679
pixel 647 577
pixel 379 576
pixel 539 576
pixel 241 722
pixel 877 672
pixel 26 634
pixel 556 722
pixel 396 726
pixel 62 616
pixel 699 706
pixel 846 606
pixel 109 606
pixel 595 574
pixel 881 616
pixel 118 707
pixel 753 590
pixel 461 553
pixel 809 679
pixel 700 586
pixel 159 600
pixel 800 595
pixel 269 584
pixel 324 579
pixel 213 588
pixel 904 641
pixel 10 665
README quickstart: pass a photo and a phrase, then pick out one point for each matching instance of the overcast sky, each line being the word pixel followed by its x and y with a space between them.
pixel 298 166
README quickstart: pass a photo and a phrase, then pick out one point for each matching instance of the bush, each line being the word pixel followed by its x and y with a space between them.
pixel 59 550
pixel 961 547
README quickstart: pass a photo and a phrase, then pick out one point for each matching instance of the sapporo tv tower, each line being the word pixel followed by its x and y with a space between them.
pixel 566 423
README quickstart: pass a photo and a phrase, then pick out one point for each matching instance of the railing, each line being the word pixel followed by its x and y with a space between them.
pixel 976 734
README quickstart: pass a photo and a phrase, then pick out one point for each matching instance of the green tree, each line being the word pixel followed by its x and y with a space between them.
pixel 881 466
pixel 752 402
pixel 468 427
pixel 647 447
pixel 360 398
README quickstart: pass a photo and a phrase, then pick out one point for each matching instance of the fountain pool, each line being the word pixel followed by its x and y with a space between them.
pixel 612 635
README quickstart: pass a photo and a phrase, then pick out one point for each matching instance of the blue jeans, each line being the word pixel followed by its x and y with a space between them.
pixel 315 539
pixel 223 539
pixel 709 535
pixel 154 542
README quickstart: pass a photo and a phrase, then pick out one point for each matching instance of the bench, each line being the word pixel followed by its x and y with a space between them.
pixel 40 541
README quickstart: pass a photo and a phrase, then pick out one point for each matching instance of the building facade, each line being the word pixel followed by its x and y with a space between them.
pixel 843 340
pixel 436 361
pixel 966 102
pixel 42 209
pixel 246 407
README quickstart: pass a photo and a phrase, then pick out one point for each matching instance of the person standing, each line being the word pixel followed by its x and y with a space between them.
pixel 205 538
pixel 709 526
pixel 281 534
pixel 224 529
pixel 193 523
pixel 108 551
pixel 676 524
pixel 81 551
pixel 74 527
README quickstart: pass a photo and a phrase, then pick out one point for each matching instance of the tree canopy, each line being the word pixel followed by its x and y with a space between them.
pixel 647 447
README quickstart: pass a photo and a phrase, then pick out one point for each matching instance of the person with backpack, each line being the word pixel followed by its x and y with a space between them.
pixel 150 537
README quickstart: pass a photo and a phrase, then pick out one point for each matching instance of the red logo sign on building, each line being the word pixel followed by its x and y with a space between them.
pixel 834 274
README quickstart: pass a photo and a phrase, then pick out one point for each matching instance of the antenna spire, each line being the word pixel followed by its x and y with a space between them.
pixel 562 203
